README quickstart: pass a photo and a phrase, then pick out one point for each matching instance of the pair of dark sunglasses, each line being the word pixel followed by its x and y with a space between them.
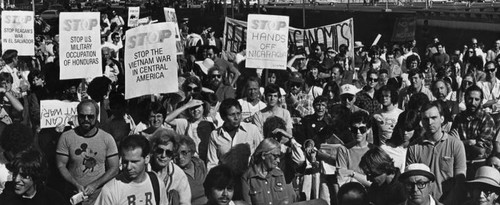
pixel 362 129
pixel 168 153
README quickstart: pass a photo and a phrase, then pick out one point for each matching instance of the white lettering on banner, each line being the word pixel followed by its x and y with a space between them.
pixel 80 24
pixel 148 38
pixel 268 25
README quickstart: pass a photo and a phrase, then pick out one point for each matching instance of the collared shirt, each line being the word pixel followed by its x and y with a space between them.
pixel 406 93
pixel 490 91
pixel 196 180
pixel 271 189
pixel 236 151
pixel 431 202
pixel 480 127
pixel 312 126
pixel 446 159
pixel 364 101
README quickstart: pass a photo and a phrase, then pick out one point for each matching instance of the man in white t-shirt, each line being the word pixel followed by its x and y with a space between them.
pixel 134 185
pixel 252 103
pixel 387 117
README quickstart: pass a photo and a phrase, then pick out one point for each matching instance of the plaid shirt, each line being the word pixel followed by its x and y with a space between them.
pixel 364 101
pixel 480 127
pixel 302 107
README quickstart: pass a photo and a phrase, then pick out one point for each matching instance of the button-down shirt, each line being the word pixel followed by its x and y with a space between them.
pixel 271 189
pixel 364 101
pixel 491 91
pixel 235 151
pixel 406 93
pixel 446 159
pixel 480 127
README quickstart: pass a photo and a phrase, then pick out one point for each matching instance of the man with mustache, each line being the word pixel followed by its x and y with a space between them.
pixel 87 157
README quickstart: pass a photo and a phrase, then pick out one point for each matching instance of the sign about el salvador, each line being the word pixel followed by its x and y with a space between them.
pixel 18 32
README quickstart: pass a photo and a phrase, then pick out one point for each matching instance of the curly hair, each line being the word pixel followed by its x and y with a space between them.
pixel 16 138
pixel 30 163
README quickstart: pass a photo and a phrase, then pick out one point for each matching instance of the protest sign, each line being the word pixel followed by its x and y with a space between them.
pixel 267 41
pixel 133 16
pixel 150 60
pixel 171 16
pixel 80 45
pixel 55 112
pixel 332 35
pixel 404 29
pixel 18 32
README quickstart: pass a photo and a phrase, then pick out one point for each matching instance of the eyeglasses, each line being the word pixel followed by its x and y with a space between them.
pixel 362 130
pixel 184 152
pixel 83 116
pixel 491 70
pixel 216 76
pixel 420 185
pixel 168 153
pixel 371 175
pixel 347 97
pixel 467 82
pixel 23 175
pixel 298 85
pixel 190 89
pixel 372 79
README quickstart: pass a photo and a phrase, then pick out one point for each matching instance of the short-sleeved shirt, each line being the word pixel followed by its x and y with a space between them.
pixel 386 121
pixel 261 116
pixel 446 159
pixel 247 109
pixel 119 191
pixel 87 155
pixel 199 131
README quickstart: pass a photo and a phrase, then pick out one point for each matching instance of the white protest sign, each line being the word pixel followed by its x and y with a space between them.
pixel 18 32
pixel 54 112
pixel 267 41
pixel 150 60
pixel 133 16
pixel 171 16
pixel 80 45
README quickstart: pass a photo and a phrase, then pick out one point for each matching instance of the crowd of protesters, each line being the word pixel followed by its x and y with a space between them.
pixel 389 125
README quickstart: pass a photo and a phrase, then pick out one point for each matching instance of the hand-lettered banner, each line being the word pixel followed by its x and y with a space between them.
pixel 56 112
pixel 80 45
pixel 18 32
pixel 171 16
pixel 404 29
pixel 267 41
pixel 150 60
pixel 133 16
pixel 332 35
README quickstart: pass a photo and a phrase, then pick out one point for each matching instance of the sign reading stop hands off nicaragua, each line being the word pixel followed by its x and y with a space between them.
pixel 80 47
pixel 267 41
pixel 18 32
pixel 150 60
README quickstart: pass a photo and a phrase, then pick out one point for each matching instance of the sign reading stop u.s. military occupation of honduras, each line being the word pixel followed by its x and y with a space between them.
pixel 150 60
pixel 80 54
pixel 18 32
pixel 267 41
pixel 133 16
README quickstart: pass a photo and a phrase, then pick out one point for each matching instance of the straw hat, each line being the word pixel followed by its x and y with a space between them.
pixel 487 175
pixel 417 169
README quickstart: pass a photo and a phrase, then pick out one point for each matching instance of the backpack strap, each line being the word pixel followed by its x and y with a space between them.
pixel 156 186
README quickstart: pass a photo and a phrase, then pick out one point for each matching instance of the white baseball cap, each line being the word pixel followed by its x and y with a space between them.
pixel 348 89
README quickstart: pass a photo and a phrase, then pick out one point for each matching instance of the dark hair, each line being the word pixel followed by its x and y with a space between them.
pixel 383 71
pixel 219 177
pixel 98 88
pixel 371 71
pixel 407 121
pixel 435 104
pixel 226 104
pixel 188 141
pixel 380 97
pixel 9 55
pixel 33 74
pixel 474 88
pixel 395 82
pixel 353 187
pixel 320 99
pixel 414 72
pixel 410 59
pixel 87 102
pixel 271 124
pixel 417 100
pixel 332 86
pixel 156 107
pixel 360 117
pixel 434 90
pixel 191 80
pixel 377 161
pixel 30 163
pixel 132 142
pixel 272 88
pixel 7 77
pixel 341 69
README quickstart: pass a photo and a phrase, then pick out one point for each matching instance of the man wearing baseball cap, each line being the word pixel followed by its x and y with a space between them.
pixel 418 180
pixel 348 97
pixel 485 187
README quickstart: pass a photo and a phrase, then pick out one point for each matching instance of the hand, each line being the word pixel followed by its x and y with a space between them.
pixel 60 127
pixel 282 132
pixel 2 90
pixel 193 103
pixel 89 189
pixel 80 188
pixel 471 142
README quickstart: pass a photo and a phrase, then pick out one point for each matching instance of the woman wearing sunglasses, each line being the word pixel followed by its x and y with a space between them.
pixel 164 146
pixel 349 156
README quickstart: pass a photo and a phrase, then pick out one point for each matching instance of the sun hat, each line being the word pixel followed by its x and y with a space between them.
pixel 487 175
pixel 348 89
pixel 206 64
pixel 358 44
pixel 417 169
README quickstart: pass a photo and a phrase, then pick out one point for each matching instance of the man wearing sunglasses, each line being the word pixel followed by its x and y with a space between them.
pixel 418 182
pixel 218 85
pixel 348 97
pixel 87 157
pixel 490 87
pixel 445 155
